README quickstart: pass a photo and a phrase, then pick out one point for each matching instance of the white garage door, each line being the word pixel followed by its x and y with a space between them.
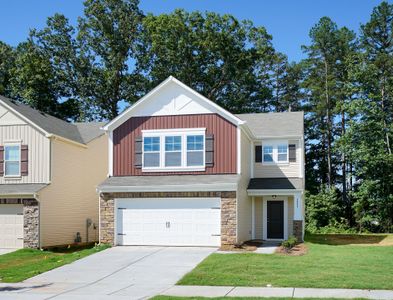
pixel 170 222
pixel 11 226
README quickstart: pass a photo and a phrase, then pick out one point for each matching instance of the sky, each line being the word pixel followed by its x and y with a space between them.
pixel 289 21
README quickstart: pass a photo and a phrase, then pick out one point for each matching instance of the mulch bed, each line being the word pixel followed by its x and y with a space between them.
pixel 298 250
pixel 248 246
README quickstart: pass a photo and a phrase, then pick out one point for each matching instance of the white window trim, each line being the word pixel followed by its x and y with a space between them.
pixel 10 144
pixel 183 132
pixel 279 198
pixel 275 145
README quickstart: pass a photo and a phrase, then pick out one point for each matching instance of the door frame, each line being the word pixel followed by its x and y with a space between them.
pixel 264 217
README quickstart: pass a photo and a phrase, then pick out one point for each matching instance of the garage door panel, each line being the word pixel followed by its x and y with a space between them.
pixel 172 222
pixel 11 226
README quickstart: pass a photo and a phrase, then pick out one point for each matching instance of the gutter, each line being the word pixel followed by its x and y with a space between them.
pixel 57 137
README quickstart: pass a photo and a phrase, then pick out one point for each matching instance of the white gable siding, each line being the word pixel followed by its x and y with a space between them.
pixel 12 128
pixel 172 100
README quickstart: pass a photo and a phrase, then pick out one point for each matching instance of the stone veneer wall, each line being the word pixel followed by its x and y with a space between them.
pixel 31 220
pixel 228 211
pixel 298 230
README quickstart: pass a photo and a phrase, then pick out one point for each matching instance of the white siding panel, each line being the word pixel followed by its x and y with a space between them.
pixel 291 169
pixel 39 152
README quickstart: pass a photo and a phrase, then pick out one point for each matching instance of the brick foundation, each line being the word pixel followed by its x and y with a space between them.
pixel 298 230
pixel 228 211
pixel 31 220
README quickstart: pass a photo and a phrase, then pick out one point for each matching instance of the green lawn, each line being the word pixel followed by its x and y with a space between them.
pixel 25 263
pixel 330 263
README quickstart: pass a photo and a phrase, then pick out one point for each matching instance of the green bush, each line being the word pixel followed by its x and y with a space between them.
pixel 289 243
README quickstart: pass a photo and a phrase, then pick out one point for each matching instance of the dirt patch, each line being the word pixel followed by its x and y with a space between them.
pixel 353 239
pixel 298 250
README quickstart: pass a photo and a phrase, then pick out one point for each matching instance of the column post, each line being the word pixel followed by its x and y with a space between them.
pixel 298 217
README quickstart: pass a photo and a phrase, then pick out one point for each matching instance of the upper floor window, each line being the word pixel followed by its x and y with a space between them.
pixel 151 151
pixel 173 150
pixel 12 160
pixel 282 153
pixel 195 150
pixel 268 153
pixel 275 152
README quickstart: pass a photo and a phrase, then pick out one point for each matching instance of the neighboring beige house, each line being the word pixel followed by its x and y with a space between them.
pixel 185 172
pixel 49 170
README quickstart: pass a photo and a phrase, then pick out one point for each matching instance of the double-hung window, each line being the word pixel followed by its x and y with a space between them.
pixel 282 153
pixel 195 150
pixel 173 146
pixel 12 160
pixel 151 151
pixel 275 152
pixel 268 153
pixel 174 150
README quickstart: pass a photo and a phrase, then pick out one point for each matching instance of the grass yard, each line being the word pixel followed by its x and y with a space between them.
pixel 25 263
pixel 332 261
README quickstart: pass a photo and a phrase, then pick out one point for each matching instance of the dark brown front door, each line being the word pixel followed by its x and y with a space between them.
pixel 275 219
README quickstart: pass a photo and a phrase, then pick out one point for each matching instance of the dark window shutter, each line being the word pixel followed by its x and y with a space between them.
pixel 209 150
pixel 1 161
pixel 292 152
pixel 258 154
pixel 138 153
pixel 24 160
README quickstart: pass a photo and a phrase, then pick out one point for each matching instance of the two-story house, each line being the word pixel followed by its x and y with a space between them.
pixel 184 171
pixel 49 171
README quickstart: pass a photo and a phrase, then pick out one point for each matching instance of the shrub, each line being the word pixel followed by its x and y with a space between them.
pixel 289 243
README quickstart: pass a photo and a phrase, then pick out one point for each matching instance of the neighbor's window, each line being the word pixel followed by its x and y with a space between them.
pixel 172 151
pixel 282 153
pixel 151 151
pixel 12 160
pixel 195 150
pixel 268 153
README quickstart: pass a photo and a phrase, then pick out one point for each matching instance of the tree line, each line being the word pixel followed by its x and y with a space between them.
pixel 116 53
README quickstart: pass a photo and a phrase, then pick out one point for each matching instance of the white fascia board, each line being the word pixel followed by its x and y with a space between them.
pixel 116 122
pixel 273 192
pixel 222 187
pixel 278 137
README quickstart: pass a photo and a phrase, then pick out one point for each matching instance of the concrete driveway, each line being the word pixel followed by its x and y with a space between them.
pixel 6 250
pixel 116 273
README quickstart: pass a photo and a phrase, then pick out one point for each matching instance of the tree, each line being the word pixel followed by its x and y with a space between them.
pixel 320 82
pixel 7 58
pixel 33 82
pixel 226 60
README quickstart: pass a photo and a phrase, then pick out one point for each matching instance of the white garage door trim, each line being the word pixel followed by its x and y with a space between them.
pixel 204 230
pixel 11 226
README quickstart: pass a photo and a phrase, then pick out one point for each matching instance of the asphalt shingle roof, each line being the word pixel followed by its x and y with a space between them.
pixel 275 184
pixel 20 189
pixel 274 124
pixel 78 132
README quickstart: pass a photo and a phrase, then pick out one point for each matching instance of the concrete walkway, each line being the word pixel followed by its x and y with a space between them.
pixel 114 274
pixel 231 291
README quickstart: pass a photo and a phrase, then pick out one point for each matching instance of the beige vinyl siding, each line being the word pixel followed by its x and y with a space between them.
pixel 12 128
pixel 259 216
pixel 291 169
pixel 71 197
pixel 244 202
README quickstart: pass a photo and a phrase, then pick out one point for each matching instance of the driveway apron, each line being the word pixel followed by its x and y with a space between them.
pixel 116 273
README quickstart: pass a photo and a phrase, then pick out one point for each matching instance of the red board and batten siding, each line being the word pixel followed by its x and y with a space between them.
pixel 224 142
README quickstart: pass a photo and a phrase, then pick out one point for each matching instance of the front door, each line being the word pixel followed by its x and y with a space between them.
pixel 275 219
